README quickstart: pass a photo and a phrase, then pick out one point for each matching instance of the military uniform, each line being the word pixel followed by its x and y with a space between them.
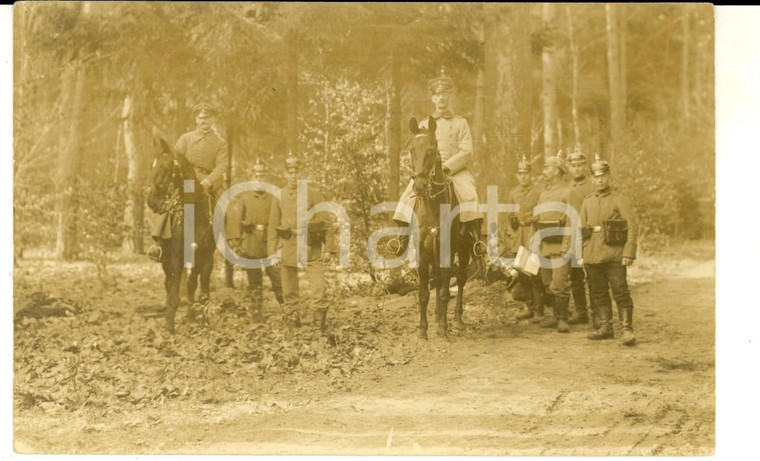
pixel 603 260
pixel 556 277
pixel 580 188
pixel 248 221
pixel 455 147
pixel 521 223
pixel 207 152
pixel 282 235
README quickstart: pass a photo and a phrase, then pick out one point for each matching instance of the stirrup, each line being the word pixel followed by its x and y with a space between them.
pixel 156 258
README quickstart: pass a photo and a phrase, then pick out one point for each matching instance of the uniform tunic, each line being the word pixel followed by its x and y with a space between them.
pixel 601 206
pixel 248 220
pixel 283 214
pixel 208 154
pixel 455 146
pixel 558 193
pixel 527 198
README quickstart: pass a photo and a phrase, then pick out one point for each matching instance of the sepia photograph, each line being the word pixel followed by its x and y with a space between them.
pixel 274 228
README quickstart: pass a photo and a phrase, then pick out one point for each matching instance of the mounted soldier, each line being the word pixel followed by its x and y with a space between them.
pixel 207 153
pixel 455 146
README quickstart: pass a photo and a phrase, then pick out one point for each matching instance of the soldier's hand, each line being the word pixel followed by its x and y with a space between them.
pixel 206 185
pixel 628 261
pixel 327 258
pixel 446 170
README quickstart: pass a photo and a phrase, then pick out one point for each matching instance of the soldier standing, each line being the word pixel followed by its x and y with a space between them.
pixel 283 235
pixel 610 229
pixel 207 153
pixel 248 220
pixel 455 146
pixel 526 196
pixel 580 188
pixel 556 277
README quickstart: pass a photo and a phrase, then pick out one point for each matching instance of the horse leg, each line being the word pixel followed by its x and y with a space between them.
pixel 442 302
pixel 464 263
pixel 424 298
pixel 192 284
pixel 207 266
pixel 171 284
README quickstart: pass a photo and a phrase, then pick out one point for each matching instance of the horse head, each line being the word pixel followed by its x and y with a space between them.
pixel 426 159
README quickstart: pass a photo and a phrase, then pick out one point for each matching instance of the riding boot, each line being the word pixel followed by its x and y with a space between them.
pixel 560 312
pixel 604 331
pixel 629 339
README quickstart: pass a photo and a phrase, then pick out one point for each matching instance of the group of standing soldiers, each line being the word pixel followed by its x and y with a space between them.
pixel 607 226
pixel 259 224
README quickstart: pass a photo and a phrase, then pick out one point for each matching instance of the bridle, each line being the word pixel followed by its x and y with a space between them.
pixel 430 190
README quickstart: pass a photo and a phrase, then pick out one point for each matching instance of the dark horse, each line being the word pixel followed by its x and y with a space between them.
pixel 167 196
pixel 432 189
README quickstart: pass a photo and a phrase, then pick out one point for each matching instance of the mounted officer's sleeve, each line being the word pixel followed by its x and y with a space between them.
pixel 216 177
pixel 275 215
pixel 629 214
pixel 461 159
pixel 181 145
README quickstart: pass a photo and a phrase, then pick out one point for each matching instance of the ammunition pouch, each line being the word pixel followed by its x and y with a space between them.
pixel 545 224
pixel 514 222
pixel 284 232
pixel 317 233
pixel 615 231
pixel 586 232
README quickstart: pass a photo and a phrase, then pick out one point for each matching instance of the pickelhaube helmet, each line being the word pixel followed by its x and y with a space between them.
pixel 291 163
pixel 259 169
pixel 524 165
pixel 576 156
pixel 600 167
pixel 203 110
pixel 441 83
pixel 556 161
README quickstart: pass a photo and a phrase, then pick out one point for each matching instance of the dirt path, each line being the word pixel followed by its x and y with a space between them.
pixel 519 390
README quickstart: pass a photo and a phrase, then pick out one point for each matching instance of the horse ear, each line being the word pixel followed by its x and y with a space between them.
pixel 165 146
pixel 432 126
pixel 414 127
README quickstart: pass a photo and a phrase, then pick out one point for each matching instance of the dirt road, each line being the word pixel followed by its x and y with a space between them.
pixel 515 390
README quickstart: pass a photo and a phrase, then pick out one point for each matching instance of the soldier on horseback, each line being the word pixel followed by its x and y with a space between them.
pixel 455 146
pixel 207 153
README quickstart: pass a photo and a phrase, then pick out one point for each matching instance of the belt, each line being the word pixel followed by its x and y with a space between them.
pixel 259 227
pixel 202 170
pixel 596 228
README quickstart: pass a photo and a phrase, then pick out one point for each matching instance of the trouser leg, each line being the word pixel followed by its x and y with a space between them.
pixel 275 277
pixel 617 275
pixel 601 296
pixel 578 289
pixel 255 289
pixel 290 289
pixel 315 274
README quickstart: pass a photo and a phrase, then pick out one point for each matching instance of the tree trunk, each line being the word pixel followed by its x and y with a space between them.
pixel 685 38
pixel 69 160
pixel 549 84
pixel 229 268
pixel 616 76
pixel 291 134
pixel 508 89
pixel 393 127
pixel 134 212
pixel 479 145
pixel 575 55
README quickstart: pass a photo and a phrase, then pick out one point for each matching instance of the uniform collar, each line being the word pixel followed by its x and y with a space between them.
pixel 443 114
pixel 201 134
pixel 605 192
pixel 582 180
